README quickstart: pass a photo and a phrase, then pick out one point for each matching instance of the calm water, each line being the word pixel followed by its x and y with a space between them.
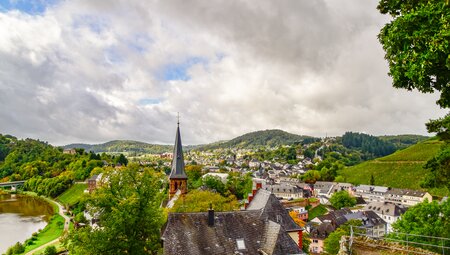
pixel 21 216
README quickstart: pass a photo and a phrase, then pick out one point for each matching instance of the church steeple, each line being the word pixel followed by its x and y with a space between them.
pixel 178 177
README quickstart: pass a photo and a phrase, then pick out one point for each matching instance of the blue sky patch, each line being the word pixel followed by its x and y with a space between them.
pixel 32 7
pixel 178 71
pixel 149 101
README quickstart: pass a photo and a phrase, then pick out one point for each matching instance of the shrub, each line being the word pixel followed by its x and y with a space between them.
pixel 50 250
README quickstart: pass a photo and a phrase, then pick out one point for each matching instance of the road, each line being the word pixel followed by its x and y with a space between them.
pixel 66 228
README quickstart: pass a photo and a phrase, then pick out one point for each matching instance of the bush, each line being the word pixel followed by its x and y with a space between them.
pixel 18 248
pixel 50 250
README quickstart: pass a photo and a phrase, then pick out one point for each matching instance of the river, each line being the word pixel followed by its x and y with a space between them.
pixel 20 217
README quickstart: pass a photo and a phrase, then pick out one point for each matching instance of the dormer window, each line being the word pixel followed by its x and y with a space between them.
pixel 240 244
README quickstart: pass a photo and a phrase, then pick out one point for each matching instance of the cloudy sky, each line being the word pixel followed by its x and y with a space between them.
pixel 94 71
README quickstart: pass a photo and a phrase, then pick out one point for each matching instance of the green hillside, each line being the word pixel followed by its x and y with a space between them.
pixel 402 169
pixel 72 195
pixel 263 138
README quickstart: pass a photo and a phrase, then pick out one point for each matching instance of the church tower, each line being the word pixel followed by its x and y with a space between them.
pixel 178 177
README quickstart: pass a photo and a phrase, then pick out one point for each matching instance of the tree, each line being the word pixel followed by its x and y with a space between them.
pixel 342 199
pixel 311 176
pixel 129 213
pixel 239 184
pixel 417 45
pixel 214 183
pixel 200 200
pixel 121 160
pixel 194 173
pixel 331 243
pixel 428 219
pixel 372 180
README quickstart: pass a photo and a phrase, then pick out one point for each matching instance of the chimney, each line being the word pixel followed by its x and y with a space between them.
pixel 250 198
pixel 300 239
pixel 210 216
pixel 258 185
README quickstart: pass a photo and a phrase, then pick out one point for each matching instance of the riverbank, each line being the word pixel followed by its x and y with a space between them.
pixel 58 224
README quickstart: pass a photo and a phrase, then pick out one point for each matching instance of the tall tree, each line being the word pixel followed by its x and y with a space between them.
pixel 129 213
pixel 342 199
pixel 417 46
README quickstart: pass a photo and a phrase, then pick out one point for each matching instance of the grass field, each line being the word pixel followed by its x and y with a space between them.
pixel 72 195
pixel 53 230
pixel 317 211
pixel 402 169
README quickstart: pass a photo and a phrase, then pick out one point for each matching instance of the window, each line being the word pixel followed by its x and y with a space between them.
pixel 279 219
pixel 315 241
pixel 240 244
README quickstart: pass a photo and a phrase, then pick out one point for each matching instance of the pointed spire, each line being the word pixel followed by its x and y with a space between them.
pixel 178 159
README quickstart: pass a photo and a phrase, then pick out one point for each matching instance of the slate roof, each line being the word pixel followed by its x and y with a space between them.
pixel 189 233
pixel 405 192
pixel 321 231
pixel 386 208
pixel 283 188
pixel 178 159
pixel 333 216
pixel 272 209
pixel 368 218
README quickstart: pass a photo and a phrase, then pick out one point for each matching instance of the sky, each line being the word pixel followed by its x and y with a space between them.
pixel 93 71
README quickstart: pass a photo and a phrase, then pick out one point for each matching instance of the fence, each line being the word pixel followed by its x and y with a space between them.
pixel 408 242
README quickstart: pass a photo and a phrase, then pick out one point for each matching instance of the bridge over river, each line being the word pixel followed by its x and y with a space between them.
pixel 13 185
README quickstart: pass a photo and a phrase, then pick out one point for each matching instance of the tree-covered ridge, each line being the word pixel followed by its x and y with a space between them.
pixel 368 144
pixel 123 146
pixel 47 169
pixel 263 138
pixel 403 141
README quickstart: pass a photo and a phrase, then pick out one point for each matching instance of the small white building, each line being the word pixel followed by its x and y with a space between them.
pixel 222 176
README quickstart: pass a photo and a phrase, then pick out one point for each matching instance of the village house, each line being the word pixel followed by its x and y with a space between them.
pixel 285 191
pixel 373 224
pixel 389 212
pixel 371 193
pixel 407 197
pixel 93 182
pixel 317 235
pixel 302 213
pixel 70 151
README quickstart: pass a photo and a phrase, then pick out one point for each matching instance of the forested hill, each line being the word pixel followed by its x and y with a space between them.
pixel 123 146
pixel 271 138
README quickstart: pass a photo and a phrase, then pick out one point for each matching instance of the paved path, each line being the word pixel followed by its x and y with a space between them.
pixel 66 228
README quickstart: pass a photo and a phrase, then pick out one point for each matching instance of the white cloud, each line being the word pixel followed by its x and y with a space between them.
pixel 80 71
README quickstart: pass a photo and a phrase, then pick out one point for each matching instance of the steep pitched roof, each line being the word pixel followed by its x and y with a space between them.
pixel 368 218
pixel 322 231
pixel 272 209
pixel 237 232
pixel 178 160
pixel 333 216
pixel 386 208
